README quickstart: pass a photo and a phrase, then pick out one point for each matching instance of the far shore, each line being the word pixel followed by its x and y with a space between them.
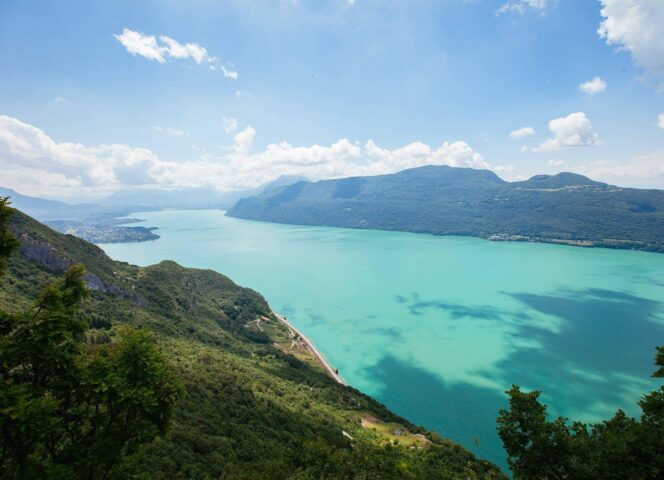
pixel 319 356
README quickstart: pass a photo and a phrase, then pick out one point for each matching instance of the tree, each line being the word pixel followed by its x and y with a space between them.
pixel 619 448
pixel 7 241
pixel 69 409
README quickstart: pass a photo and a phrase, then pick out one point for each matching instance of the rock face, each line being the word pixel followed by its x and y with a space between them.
pixel 42 254
pixel 54 260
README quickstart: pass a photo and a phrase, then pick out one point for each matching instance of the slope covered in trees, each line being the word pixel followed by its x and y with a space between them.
pixel 247 409
pixel 619 448
pixel 564 208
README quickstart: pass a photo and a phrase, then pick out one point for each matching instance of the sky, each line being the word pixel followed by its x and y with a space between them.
pixel 98 97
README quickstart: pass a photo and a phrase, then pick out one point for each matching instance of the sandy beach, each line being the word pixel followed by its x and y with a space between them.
pixel 319 356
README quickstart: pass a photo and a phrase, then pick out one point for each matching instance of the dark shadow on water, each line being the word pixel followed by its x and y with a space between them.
pixel 599 340
pixel 459 412
pixel 417 306
pixel 603 352
pixel 288 310
pixel 603 330
pixel 392 333
pixel 595 357
pixel 599 350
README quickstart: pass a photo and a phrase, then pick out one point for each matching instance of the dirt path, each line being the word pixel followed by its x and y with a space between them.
pixel 328 368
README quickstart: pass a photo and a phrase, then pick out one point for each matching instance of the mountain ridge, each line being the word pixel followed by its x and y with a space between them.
pixel 564 208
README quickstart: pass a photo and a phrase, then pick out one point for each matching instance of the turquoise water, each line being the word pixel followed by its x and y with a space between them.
pixel 438 327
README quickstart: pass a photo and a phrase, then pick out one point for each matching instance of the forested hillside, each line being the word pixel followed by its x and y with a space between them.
pixel 564 208
pixel 248 408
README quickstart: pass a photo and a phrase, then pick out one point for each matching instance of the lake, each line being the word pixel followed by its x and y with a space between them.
pixel 437 328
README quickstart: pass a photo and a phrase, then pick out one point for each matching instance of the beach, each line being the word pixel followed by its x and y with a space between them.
pixel 319 356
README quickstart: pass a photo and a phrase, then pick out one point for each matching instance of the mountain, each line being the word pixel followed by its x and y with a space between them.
pixel 256 403
pixel 188 198
pixel 125 201
pixel 48 209
pixel 563 208
pixel 230 198
pixel 103 222
pixel 157 199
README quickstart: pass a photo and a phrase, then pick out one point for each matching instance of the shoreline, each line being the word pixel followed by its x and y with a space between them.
pixel 319 356
pixel 613 244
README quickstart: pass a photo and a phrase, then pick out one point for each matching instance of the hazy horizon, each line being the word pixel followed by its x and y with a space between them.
pixel 231 93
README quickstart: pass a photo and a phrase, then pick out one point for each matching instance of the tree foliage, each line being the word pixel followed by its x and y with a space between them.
pixel 248 409
pixel 619 448
pixel 69 409
pixel 7 241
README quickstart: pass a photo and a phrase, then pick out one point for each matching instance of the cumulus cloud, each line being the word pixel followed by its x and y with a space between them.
pixel 554 162
pixel 244 140
pixel 29 156
pixel 660 121
pixel 591 87
pixel 229 124
pixel 574 130
pixel 636 26
pixel 159 50
pixel 34 163
pixel 522 6
pixel 454 154
pixel 522 133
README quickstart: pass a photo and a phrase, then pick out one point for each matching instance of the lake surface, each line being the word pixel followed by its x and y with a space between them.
pixel 437 328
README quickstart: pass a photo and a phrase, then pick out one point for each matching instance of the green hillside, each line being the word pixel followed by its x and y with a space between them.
pixel 564 208
pixel 249 408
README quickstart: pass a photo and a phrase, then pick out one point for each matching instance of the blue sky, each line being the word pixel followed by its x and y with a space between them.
pixel 94 100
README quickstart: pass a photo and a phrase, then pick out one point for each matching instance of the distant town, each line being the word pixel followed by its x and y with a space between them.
pixel 104 232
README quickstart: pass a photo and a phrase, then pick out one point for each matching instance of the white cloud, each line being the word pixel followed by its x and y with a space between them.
pixel 522 6
pixel 454 154
pixel 149 47
pixel 34 163
pixel 29 156
pixel 229 124
pixel 643 171
pixel 244 140
pixel 232 74
pixel 660 121
pixel 554 162
pixel 189 50
pixel 522 133
pixel 574 130
pixel 637 26
pixel 176 132
pixel 591 87
pixel 137 43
